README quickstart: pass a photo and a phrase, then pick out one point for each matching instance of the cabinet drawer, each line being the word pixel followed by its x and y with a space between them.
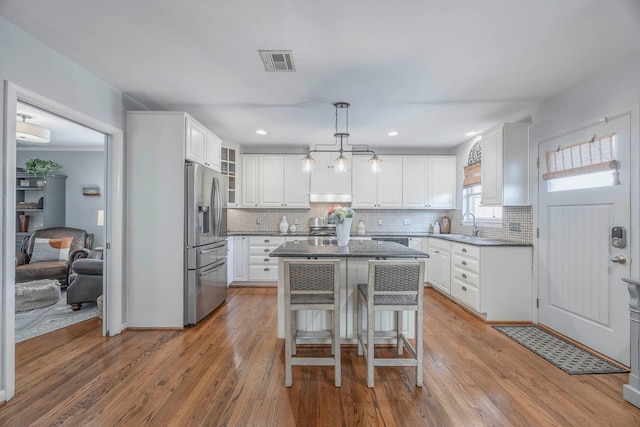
pixel 467 251
pixel 466 276
pixel 440 244
pixel 469 264
pixel 261 250
pixel 466 294
pixel 266 240
pixel 263 261
pixel 267 273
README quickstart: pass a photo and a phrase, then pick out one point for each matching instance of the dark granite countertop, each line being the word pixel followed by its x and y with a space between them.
pixel 459 238
pixel 323 247
pixel 475 241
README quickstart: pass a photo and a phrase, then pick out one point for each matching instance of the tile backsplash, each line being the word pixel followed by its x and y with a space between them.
pixel 401 221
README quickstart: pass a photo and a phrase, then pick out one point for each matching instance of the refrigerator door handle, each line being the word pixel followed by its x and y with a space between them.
pixel 214 267
pixel 218 201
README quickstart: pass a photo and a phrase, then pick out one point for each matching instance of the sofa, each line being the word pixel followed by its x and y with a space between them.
pixel 86 286
pixel 49 253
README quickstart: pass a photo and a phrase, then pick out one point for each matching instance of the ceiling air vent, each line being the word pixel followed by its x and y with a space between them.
pixel 278 60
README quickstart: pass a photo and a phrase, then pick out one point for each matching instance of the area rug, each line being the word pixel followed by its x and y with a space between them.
pixel 566 356
pixel 40 321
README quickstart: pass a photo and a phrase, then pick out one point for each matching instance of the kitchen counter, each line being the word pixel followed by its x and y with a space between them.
pixel 460 238
pixel 324 248
pixel 354 269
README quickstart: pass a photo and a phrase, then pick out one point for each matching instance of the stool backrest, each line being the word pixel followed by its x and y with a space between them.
pixel 399 277
pixel 311 276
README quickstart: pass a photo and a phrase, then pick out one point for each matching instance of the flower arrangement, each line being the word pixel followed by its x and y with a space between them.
pixel 338 213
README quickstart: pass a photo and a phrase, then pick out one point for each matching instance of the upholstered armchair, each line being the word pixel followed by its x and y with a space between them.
pixel 50 252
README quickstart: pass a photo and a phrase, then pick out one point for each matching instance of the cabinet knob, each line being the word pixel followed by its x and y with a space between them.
pixel 464 262
pixel 464 276
pixel 266 250
pixel 266 260
pixel 464 288
pixel 464 250
pixel 267 240
pixel 267 269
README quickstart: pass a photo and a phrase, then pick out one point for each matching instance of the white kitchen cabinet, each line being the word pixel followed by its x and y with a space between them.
pixel 377 190
pixel 324 178
pixel 230 259
pixel 296 183
pixel 230 169
pixel 249 181
pixel 439 264
pixel 493 281
pixel 214 144
pixel 262 267
pixel 429 182
pixel 272 181
pixel 196 142
pixel 201 146
pixel 240 258
pixel 505 165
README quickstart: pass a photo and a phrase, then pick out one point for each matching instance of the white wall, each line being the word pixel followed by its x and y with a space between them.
pixel 616 89
pixel 38 69
pixel 81 168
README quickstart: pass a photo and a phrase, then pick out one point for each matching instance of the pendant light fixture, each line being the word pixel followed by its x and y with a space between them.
pixel 342 140
pixel 30 132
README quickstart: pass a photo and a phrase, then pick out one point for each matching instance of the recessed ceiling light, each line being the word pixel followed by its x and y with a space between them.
pixel 393 133
pixel 261 132
pixel 472 133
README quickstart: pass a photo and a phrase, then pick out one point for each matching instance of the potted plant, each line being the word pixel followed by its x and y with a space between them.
pixel 39 167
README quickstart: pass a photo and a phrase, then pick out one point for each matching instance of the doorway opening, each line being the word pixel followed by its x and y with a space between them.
pixel 67 204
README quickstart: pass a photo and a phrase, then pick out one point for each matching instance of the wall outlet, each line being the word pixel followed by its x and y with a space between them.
pixel 295 221
pixel 407 221
pixel 379 221
pixel 258 221
pixel 514 226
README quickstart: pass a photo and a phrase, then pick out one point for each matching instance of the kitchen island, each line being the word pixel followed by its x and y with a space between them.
pixel 354 269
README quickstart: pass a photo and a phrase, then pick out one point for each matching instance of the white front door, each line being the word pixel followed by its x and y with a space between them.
pixel 581 294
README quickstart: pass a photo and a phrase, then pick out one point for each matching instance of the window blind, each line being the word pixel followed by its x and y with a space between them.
pixel 597 154
pixel 472 175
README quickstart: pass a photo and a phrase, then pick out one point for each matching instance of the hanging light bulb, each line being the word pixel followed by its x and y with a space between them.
pixel 375 163
pixel 341 163
pixel 307 163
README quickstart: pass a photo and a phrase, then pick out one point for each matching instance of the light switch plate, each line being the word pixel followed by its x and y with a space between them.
pixel 514 226
pixel 258 221
pixel 379 221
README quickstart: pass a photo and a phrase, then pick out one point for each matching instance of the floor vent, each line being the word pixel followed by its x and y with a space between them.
pixel 278 60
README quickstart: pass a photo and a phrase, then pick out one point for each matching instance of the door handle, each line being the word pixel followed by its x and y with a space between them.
pixel 620 259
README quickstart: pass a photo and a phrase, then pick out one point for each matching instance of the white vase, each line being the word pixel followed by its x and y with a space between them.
pixel 343 231
pixel 284 225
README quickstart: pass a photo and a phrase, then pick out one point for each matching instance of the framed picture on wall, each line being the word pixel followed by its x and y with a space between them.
pixel 90 190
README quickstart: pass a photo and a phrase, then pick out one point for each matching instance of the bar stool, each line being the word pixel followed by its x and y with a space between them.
pixel 398 286
pixel 311 285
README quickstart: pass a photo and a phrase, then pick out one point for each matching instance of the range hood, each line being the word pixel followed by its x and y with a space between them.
pixel 329 198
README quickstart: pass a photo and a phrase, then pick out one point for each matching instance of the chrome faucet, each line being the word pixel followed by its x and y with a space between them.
pixel 476 230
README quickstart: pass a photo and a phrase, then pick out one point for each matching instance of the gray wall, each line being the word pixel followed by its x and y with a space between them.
pixel 81 168
pixel 35 67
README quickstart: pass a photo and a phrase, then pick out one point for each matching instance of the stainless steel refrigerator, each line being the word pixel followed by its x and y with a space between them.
pixel 206 245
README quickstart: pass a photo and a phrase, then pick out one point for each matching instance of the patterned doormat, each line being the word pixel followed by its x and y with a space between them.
pixel 566 356
pixel 39 321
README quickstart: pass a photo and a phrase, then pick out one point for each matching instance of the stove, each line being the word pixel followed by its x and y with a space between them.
pixel 326 230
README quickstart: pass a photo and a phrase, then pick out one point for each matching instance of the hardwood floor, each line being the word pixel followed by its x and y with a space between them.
pixel 229 370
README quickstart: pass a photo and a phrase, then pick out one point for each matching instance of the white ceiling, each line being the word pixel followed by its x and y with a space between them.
pixel 65 134
pixel 432 70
